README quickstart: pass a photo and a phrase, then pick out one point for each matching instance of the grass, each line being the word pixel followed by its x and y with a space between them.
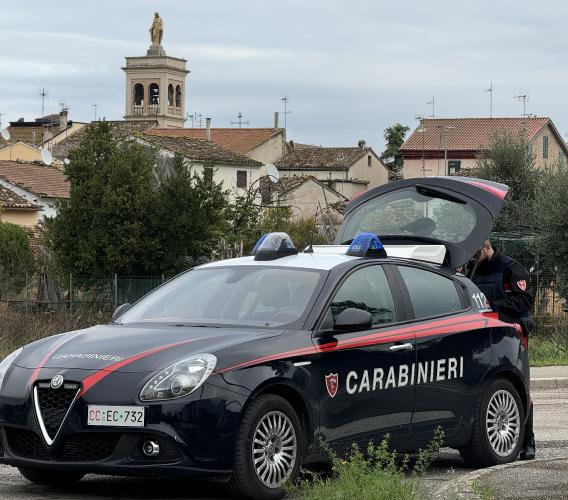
pixel 482 490
pixel 18 328
pixel 378 474
pixel 547 352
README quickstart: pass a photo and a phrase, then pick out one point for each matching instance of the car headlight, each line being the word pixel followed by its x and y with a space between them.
pixel 7 363
pixel 180 378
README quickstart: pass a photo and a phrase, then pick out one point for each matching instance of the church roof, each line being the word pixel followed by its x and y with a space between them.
pixel 120 128
pixel 198 149
pixel 36 178
pixel 238 140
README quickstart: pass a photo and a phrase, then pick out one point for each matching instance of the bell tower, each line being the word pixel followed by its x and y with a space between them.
pixel 155 84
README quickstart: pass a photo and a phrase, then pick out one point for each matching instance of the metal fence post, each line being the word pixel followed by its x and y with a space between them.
pixel 115 301
pixel 70 292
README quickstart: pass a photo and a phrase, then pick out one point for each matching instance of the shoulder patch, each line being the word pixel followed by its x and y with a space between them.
pixel 522 284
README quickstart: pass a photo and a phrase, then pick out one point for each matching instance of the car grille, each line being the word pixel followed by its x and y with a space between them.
pixel 76 447
pixel 54 405
pixel 26 444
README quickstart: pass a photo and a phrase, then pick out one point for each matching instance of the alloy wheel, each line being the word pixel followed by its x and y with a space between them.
pixel 503 423
pixel 274 449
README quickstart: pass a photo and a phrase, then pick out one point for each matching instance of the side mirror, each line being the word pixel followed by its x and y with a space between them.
pixel 120 309
pixel 353 320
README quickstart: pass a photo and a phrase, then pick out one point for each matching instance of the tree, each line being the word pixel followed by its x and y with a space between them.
pixel 395 139
pixel 16 258
pixel 190 217
pixel 509 160
pixel 103 227
pixel 302 231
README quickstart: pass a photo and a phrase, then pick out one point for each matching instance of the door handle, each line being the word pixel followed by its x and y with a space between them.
pixel 401 347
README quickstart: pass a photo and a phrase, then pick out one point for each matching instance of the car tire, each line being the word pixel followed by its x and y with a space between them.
pixel 268 449
pixel 498 427
pixel 49 476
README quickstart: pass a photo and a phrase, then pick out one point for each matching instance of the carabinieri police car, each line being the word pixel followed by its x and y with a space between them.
pixel 236 370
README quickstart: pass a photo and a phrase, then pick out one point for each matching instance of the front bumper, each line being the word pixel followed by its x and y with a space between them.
pixel 196 433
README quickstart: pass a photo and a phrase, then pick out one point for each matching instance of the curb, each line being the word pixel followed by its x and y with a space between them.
pixel 461 488
pixel 549 383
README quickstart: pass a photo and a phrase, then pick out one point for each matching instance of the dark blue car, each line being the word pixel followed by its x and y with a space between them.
pixel 236 370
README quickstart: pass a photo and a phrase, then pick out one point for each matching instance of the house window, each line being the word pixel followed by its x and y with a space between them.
pixel 454 166
pixel 241 178
pixel 369 161
pixel 545 146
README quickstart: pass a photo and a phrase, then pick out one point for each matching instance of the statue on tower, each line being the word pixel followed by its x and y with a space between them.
pixel 157 30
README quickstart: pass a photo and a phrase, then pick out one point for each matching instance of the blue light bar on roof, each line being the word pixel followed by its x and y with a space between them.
pixel 366 245
pixel 272 246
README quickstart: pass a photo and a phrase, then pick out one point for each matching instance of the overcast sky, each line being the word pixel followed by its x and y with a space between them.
pixel 350 68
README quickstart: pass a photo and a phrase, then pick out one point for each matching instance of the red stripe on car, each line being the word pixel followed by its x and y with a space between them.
pixel 492 189
pixel 437 327
pixel 93 379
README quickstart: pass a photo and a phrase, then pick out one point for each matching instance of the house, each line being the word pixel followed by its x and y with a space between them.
pixel 36 183
pixel 237 172
pixel 261 144
pixel 19 151
pixel 17 209
pixel 304 195
pixel 459 140
pixel 71 130
pixel 348 170
pixel 40 130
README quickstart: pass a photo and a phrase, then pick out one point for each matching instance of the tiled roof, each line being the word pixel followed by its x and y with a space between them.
pixel 238 140
pixel 35 178
pixel 120 128
pixel 320 158
pixel 286 185
pixel 467 134
pixel 198 149
pixel 9 199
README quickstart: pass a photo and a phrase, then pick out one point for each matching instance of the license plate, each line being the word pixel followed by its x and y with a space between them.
pixel 116 416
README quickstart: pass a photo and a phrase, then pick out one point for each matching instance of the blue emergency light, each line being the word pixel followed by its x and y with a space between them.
pixel 366 245
pixel 273 246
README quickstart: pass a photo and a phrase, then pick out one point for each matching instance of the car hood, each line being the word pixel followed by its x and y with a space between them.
pixel 132 348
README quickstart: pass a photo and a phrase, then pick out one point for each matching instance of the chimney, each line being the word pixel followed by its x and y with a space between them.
pixel 361 144
pixel 276 114
pixel 292 146
pixel 63 119
pixel 208 129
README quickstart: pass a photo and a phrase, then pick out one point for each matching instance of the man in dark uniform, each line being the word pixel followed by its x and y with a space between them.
pixel 506 285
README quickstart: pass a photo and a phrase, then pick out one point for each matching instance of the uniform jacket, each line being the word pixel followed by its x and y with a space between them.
pixel 507 286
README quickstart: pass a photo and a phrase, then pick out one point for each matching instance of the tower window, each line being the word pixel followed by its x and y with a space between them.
pixel 139 94
pixel 170 95
pixel 545 146
pixel 178 96
pixel 154 93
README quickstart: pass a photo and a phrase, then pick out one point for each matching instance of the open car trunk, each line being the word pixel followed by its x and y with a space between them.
pixel 457 212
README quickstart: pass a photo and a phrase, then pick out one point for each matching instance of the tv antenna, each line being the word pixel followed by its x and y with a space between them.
pixel 490 90
pixel 433 103
pixel 43 94
pixel 524 98
pixel 239 121
pixel 95 106
pixel 195 117
pixel 285 99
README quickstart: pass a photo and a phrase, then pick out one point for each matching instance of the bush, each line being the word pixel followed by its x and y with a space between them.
pixel 16 258
pixel 375 475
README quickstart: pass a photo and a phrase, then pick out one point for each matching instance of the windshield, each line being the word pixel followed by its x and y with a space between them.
pixel 237 296
pixel 410 213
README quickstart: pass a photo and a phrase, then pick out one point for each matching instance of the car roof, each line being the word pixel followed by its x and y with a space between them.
pixel 326 257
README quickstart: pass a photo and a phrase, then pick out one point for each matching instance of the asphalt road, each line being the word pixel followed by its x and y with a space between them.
pixel 551 429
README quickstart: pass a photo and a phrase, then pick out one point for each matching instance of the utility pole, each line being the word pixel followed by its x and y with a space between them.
pixel 43 95
pixel 286 112
pixel 239 121
pixel 490 90
pixel 95 106
pixel 433 103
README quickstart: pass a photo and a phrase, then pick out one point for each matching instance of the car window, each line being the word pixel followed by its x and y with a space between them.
pixel 431 294
pixel 366 289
